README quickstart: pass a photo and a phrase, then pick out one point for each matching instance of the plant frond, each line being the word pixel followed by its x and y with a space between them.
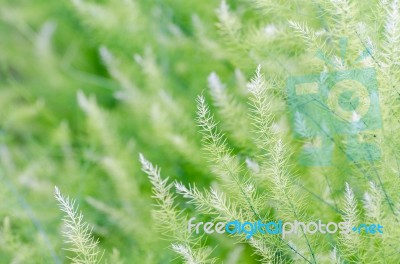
pixel 77 233
pixel 261 114
pixel 232 112
pixel 350 241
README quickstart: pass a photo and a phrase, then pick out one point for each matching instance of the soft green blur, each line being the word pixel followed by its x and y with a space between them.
pixel 85 86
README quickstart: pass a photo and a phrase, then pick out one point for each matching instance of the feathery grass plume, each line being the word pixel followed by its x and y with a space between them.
pixel 169 218
pixel 390 54
pixel 109 61
pixel 264 249
pixel 105 17
pixel 286 193
pixel 153 76
pixel 313 41
pixel 111 152
pixel 77 233
pixel 150 103
pixel 301 126
pixel 130 224
pixel 374 211
pixel 343 14
pixel 216 203
pixel 226 166
pixel 261 113
pixel 210 202
pixel 391 41
pixel 275 8
pixel 350 242
pixel 95 14
pixel 167 116
pixel 207 43
pixel 373 203
pixel 253 39
pixel 171 123
pixel 171 222
pixel 191 256
pixel 223 163
pixel 97 121
pixel 284 189
pixel 229 26
pixel 167 126
pixel 233 114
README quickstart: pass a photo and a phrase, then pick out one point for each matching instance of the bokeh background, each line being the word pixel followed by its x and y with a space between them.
pixel 85 86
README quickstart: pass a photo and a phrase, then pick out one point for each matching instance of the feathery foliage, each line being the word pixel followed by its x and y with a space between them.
pixel 88 85
pixel 77 232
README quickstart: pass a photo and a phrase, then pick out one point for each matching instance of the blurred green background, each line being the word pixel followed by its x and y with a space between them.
pixel 85 86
